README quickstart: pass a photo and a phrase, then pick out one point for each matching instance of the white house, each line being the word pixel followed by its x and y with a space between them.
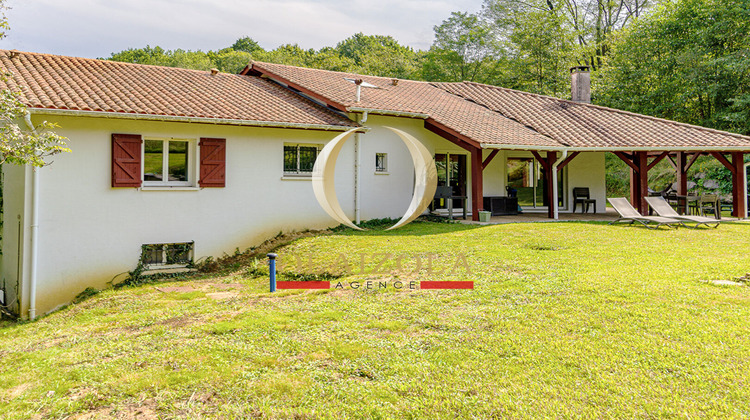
pixel 169 164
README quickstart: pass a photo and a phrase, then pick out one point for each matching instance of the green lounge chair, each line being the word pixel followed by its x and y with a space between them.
pixel 662 208
pixel 629 214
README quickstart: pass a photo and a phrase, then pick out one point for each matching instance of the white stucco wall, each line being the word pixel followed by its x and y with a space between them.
pixel 390 195
pixel 89 232
pixel 587 170
pixel 15 224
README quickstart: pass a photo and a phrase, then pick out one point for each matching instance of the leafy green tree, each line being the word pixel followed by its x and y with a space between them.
pixel 229 60
pixel 539 51
pixel 246 44
pixel 158 56
pixel 289 54
pixel 689 61
pixel 464 50
pixel 20 142
pixel 379 55
pixel 154 56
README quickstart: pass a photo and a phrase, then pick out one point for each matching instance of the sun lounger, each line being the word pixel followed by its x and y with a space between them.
pixel 662 208
pixel 629 214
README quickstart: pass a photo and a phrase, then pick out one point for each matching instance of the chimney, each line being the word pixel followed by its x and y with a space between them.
pixel 580 85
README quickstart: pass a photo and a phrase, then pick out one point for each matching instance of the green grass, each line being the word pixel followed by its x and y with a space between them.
pixel 566 320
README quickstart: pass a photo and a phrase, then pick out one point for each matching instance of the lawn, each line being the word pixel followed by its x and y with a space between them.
pixel 565 320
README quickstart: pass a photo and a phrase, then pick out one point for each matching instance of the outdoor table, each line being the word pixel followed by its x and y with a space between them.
pixel 685 202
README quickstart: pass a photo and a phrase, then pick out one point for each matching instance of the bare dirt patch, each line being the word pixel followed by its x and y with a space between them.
pixel 179 289
pixel 221 295
pixel 16 391
pixel 145 410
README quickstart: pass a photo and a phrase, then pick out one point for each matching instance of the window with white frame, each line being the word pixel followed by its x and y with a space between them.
pixel 168 162
pixel 381 162
pixel 299 159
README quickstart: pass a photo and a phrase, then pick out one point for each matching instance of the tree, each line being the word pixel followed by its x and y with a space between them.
pixel 589 23
pixel 20 142
pixel 689 61
pixel 246 44
pixel 379 55
pixel 538 47
pixel 464 50
pixel 157 56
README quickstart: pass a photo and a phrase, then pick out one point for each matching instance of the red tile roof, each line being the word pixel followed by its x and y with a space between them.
pixel 585 125
pixel 70 83
pixel 408 96
pixel 493 115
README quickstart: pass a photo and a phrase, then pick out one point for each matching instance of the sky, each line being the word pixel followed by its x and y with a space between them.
pixel 97 28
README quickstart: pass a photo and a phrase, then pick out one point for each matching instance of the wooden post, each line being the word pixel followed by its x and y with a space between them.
pixel 682 173
pixel 738 193
pixel 548 178
pixel 477 193
pixel 639 182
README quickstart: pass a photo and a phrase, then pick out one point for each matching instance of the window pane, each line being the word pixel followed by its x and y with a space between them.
pixel 380 162
pixel 440 165
pixel 307 156
pixel 152 254
pixel 521 178
pixel 290 158
pixel 178 160
pixel 153 160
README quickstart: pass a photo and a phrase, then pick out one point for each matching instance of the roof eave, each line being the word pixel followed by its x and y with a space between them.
pixel 200 120
pixel 389 112
pixel 745 149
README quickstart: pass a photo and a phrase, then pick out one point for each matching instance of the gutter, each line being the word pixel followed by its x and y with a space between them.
pixel 200 120
pixel 386 112
pixel 617 149
pixel 554 184
pixel 34 228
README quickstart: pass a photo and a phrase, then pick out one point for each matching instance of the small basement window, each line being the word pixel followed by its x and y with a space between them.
pixel 299 159
pixel 381 162
pixel 164 256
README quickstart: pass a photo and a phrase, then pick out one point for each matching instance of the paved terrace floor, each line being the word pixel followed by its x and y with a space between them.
pixel 541 217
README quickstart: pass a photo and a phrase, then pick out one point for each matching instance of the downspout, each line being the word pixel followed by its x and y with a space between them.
pixel 34 228
pixel 744 182
pixel 357 164
pixel 554 182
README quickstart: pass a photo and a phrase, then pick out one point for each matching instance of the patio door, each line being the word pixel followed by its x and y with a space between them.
pixel 451 170
pixel 527 176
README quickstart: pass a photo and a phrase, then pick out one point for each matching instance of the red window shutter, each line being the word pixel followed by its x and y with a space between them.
pixel 126 160
pixel 213 162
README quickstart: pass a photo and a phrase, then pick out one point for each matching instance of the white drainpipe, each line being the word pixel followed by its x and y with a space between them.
pixel 34 229
pixel 554 182
pixel 357 165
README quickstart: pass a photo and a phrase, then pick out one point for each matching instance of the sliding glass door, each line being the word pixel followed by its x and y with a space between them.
pixel 527 177
pixel 451 170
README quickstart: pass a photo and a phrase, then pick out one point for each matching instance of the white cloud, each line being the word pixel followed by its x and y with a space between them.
pixel 96 28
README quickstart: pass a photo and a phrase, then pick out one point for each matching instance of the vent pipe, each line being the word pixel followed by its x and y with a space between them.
pixel 358 82
pixel 580 85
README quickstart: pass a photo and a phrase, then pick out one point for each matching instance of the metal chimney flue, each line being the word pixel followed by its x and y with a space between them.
pixel 580 85
pixel 358 82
